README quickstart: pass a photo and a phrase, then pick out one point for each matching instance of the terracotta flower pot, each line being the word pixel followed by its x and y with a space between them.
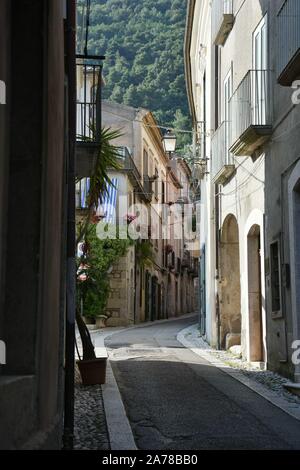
pixel 93 372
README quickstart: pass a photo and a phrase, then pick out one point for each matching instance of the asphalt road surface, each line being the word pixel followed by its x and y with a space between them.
pixel 177 401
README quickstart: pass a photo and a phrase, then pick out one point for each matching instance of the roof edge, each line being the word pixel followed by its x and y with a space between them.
pixel 187 59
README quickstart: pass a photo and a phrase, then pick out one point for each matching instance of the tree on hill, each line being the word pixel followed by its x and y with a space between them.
pixel 143 44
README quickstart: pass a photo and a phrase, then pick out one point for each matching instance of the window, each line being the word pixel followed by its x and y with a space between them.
pixel 156 183
pixel 216 91
pixel 260 65
pixel 227 96
pixel 163 192
pixel 145 163
pixel 288 42
pixel 275 277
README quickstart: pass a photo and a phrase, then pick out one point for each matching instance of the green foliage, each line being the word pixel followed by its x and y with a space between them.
pixel 143 44
pixel 144 253
pixel 181 122
pixel 100 257
pixel 106 159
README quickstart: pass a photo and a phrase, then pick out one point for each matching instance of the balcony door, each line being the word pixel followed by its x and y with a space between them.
pixel 227 118
pixel 259 79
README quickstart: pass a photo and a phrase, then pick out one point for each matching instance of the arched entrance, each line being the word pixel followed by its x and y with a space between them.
pixel 163 300
pixel 154 298
pixel 294 235
pixel 147 296
pixel 170 298
pixel 257 353
pixel 230 292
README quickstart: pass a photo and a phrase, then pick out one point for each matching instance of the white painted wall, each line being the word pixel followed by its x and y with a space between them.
pixel 243 196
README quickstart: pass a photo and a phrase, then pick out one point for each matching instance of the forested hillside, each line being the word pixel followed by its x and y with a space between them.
pixel 143 44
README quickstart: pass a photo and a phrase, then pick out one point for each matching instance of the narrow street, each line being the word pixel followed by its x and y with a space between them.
pixel 176 400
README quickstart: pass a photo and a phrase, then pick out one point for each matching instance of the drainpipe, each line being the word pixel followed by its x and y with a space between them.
pixel 217 248
pixel 71 228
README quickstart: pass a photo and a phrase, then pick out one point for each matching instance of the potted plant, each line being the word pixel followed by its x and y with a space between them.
pixel 93 369
pixel 101 320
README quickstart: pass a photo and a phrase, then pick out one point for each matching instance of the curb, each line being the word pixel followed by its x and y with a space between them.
pixel 291 409
pixel 119 430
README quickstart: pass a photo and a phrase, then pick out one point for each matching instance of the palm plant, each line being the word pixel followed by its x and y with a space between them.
pixel 106 159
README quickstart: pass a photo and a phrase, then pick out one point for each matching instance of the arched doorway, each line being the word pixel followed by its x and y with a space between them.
pixel 147 296
pixel 154 298
pixel 230 292
pixel 170 297
pixel 163 300
pixel 294 236
pixel 256 347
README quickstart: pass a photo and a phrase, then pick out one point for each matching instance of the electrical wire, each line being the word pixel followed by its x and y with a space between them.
pixel 245 181
pixel 151 125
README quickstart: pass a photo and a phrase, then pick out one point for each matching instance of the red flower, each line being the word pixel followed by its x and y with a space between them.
pixel 130 218
pixel 95 218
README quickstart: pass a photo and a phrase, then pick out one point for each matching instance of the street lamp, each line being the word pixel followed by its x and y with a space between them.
pixel 169 142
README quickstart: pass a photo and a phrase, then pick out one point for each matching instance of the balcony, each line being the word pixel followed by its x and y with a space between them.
pixel 288 46
pixel 88 113
pixel 147 189
pixel 222 20
pixel 250 111
pixel 194 268
pixel 223 166
pixel 186 260
pixel 127 165
pixel 171 260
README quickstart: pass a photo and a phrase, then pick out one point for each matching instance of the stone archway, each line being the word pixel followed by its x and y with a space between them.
pixel 294 238
pixel 147 316
pixel 256 346
pixel 163 300
pixel 230 291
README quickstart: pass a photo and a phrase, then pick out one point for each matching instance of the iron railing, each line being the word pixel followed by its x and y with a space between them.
pixel 127 162
pixel 288 33
pixel 250 105
pixel 89 86
pixel 147 188
pixel 142 185
pixel 219 9
pixel 221 156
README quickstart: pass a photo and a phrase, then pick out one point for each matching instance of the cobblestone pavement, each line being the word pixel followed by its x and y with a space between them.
pixel 269 379
pixel 90 431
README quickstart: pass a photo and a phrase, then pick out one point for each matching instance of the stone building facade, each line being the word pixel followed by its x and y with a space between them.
pixel 157 289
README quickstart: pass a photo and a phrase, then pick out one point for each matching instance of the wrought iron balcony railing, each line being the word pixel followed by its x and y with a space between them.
pixel 147 189
pixel 288 46
pixel 88 112
pixel 186 260
pixel 222 162
pixel 222 20
pixel 89 85
pixel 143 186
pixel 127 163
pixel 251 113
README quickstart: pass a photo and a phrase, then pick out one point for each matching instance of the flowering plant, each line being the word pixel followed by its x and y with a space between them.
pixel 130 218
